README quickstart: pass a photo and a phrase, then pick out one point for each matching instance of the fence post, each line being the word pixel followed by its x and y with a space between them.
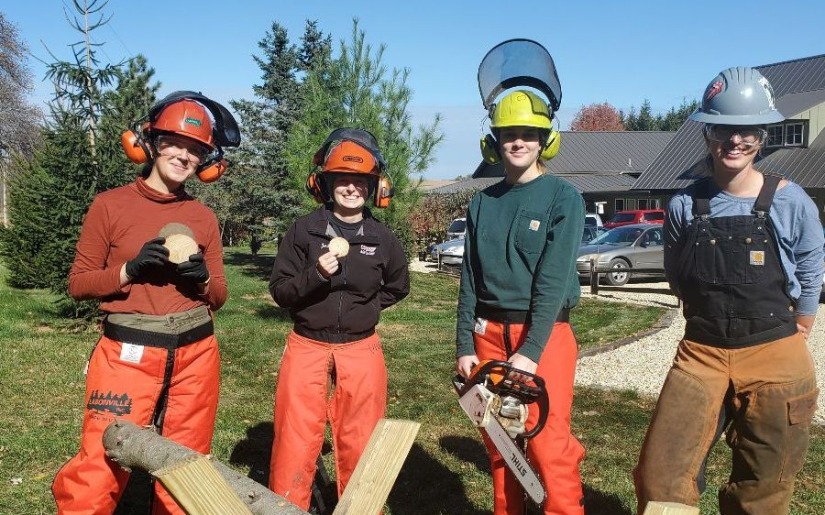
pixel 594 278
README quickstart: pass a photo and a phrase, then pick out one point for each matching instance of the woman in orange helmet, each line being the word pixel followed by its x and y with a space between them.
pixel 336 269
pixel 157 361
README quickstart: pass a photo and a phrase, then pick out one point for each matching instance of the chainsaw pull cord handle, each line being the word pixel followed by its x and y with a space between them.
pixel 497 373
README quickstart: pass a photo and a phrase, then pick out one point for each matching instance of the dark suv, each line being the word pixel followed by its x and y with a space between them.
pixel 636 216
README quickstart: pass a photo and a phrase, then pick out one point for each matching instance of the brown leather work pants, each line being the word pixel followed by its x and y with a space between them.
pixel 763 397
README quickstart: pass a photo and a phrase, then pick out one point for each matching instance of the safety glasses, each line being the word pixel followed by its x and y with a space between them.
pixel 749 136
pixel 170 145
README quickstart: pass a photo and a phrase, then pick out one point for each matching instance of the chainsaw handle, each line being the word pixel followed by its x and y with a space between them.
pixel 544 409
pixel 487 369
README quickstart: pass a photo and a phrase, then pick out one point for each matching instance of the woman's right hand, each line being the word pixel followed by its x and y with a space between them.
pixel 464 365
pixel 327 265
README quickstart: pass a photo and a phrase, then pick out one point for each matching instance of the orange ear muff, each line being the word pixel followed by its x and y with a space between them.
pixel 315 188
pixel 212 172
pixel 384 192
pixel 134 147
pixel 489 149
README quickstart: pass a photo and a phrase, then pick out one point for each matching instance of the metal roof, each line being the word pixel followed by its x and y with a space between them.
pixel 799 85
pixel 590 161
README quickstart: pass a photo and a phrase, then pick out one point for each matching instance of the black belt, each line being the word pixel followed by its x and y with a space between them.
pixel 328 337
pixel 514 316
pixel 154 339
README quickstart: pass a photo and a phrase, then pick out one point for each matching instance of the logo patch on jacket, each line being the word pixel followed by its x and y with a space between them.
pixel 113 403
pixel 534 225
pixel 367 250
pixel 757 257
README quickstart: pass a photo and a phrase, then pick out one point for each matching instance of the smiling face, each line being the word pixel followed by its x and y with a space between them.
pixel 520 147
pixel 349 193
pixel 733 148
pixel 176 159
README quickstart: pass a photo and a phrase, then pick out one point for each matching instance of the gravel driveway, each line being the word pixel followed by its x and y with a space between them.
pixel 642 364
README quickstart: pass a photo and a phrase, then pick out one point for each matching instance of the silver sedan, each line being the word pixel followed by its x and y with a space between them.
pixel 622 248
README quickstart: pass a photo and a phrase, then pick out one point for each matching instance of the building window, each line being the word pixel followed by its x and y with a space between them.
pixel 794 134
pixel 618 204
pixel 790 134
pixel 643 203
pixel 774 136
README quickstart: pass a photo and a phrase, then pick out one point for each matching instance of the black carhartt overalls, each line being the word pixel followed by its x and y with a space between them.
pixel 742 368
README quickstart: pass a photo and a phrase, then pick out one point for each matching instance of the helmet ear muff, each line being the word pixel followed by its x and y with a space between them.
pixel 384 192
pixel 315 187
pixel 489 149
pixel 212 170
pixel 551 147
pixel 135 147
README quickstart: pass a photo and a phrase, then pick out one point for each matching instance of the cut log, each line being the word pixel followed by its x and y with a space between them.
pixel 377 469
pixel 670 508
pixel 134 447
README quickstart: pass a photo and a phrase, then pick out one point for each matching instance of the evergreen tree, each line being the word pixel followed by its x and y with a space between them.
pixel 79 156
pixel 355 90
pixel 254 199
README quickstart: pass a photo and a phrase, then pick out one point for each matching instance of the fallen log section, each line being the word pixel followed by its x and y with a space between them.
pixel 207 487
pixel 189 476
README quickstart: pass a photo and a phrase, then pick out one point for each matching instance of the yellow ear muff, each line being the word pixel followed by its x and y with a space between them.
pixel 489 149
pixel 551 148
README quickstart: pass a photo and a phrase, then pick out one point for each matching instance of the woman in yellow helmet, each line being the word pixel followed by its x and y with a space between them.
pixel 518 284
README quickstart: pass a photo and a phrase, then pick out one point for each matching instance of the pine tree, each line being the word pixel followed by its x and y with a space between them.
pixel 355 90
pixel 79 157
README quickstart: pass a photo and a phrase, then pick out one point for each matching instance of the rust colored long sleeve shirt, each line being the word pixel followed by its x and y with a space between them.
pixel 117 225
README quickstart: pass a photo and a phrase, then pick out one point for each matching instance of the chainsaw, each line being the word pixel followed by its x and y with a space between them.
pixel 497 404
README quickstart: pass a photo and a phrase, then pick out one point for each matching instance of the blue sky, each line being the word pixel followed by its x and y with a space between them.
pixel 620 52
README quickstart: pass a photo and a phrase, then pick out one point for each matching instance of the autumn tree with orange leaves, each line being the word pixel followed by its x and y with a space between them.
pixel 598 117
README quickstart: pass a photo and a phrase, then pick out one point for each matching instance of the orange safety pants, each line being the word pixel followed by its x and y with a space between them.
pixel 555 453
pixel 126 384
pixel 303 404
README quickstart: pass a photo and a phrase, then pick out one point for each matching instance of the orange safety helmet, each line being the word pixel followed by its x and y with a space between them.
pixel 186 113
pixel 352 151
pixel 186 118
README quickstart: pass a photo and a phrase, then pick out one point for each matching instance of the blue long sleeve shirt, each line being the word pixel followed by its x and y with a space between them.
pixel 795 219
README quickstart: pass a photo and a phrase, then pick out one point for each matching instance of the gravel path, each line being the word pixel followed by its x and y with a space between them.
pixel 642 364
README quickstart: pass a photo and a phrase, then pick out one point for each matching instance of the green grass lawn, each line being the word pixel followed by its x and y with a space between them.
pixel 447 472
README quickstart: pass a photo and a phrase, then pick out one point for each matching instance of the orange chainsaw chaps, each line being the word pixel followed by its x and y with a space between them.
pixel 127 386
pixel 554 452
pixel 303 404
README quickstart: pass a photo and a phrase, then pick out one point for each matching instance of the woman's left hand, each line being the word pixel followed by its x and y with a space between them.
pixel 522 363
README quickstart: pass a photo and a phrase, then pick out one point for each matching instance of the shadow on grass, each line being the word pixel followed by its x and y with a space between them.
pixel 259 266
pixel 271 312
pixel 601 503
pixel 426 487
pixel 467 450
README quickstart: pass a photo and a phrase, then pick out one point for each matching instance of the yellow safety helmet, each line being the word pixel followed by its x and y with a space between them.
pixel 521 108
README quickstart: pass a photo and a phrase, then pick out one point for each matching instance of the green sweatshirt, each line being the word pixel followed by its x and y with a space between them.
pixel 520 254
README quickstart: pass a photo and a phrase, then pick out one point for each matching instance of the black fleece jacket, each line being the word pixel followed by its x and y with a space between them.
pixel 373 275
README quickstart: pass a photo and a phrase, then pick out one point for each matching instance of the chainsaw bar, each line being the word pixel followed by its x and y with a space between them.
pixel 475 400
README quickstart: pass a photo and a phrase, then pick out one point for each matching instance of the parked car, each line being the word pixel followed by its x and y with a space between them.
pixel 457 229
pixel 628 246
pixel 590 233
pixel 451 252
pixel 592 220
pixel 636 216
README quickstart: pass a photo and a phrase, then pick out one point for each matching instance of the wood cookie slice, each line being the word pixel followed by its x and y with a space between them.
pixel 180 241
pixel 339 246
